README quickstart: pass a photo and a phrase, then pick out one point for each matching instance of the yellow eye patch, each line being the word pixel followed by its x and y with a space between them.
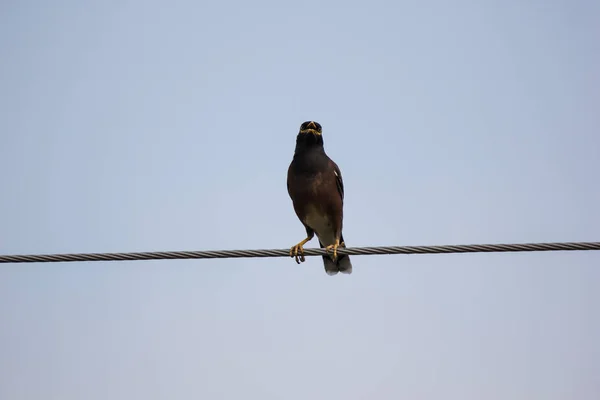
pixel 313 131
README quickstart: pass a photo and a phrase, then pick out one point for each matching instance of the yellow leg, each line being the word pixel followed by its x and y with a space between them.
pixel 297 251
pixel 334 247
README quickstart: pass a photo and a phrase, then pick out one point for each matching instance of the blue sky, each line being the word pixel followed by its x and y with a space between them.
pixel 148 126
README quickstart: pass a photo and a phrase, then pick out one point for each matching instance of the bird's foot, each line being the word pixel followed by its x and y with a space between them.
pixel 333 247
pixel 297 251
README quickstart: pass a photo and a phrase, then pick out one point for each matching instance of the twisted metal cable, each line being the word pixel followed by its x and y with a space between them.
pixel 171 255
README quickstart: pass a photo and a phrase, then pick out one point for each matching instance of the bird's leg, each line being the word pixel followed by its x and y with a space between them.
pixel 299 249
pixel 333 247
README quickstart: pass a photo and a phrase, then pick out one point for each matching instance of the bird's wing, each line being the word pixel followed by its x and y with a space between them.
pixel 338 180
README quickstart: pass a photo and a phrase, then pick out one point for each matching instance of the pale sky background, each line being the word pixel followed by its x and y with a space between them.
pixel 147 126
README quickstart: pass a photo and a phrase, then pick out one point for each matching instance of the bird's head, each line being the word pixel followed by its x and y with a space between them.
pixel 309 136
pixel 311 127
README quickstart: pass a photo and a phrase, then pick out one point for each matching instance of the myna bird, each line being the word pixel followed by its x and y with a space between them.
pixel 316 188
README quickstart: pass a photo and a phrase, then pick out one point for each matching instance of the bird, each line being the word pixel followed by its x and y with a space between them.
pixel 316 188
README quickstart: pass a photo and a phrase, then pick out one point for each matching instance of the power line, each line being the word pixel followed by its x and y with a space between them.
pixel 171 255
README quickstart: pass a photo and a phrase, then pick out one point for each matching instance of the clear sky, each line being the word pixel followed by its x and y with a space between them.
pixel 146 126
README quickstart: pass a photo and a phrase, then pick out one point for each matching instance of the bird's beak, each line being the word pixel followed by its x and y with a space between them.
pixel 312 125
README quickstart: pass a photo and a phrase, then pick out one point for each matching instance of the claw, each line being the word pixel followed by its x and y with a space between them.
pixel 334 247
pixel 297 251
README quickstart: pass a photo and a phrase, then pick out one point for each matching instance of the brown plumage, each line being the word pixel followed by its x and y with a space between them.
pixel 316 188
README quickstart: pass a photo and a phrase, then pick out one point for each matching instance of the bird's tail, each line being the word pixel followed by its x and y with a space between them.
pixel 341 264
